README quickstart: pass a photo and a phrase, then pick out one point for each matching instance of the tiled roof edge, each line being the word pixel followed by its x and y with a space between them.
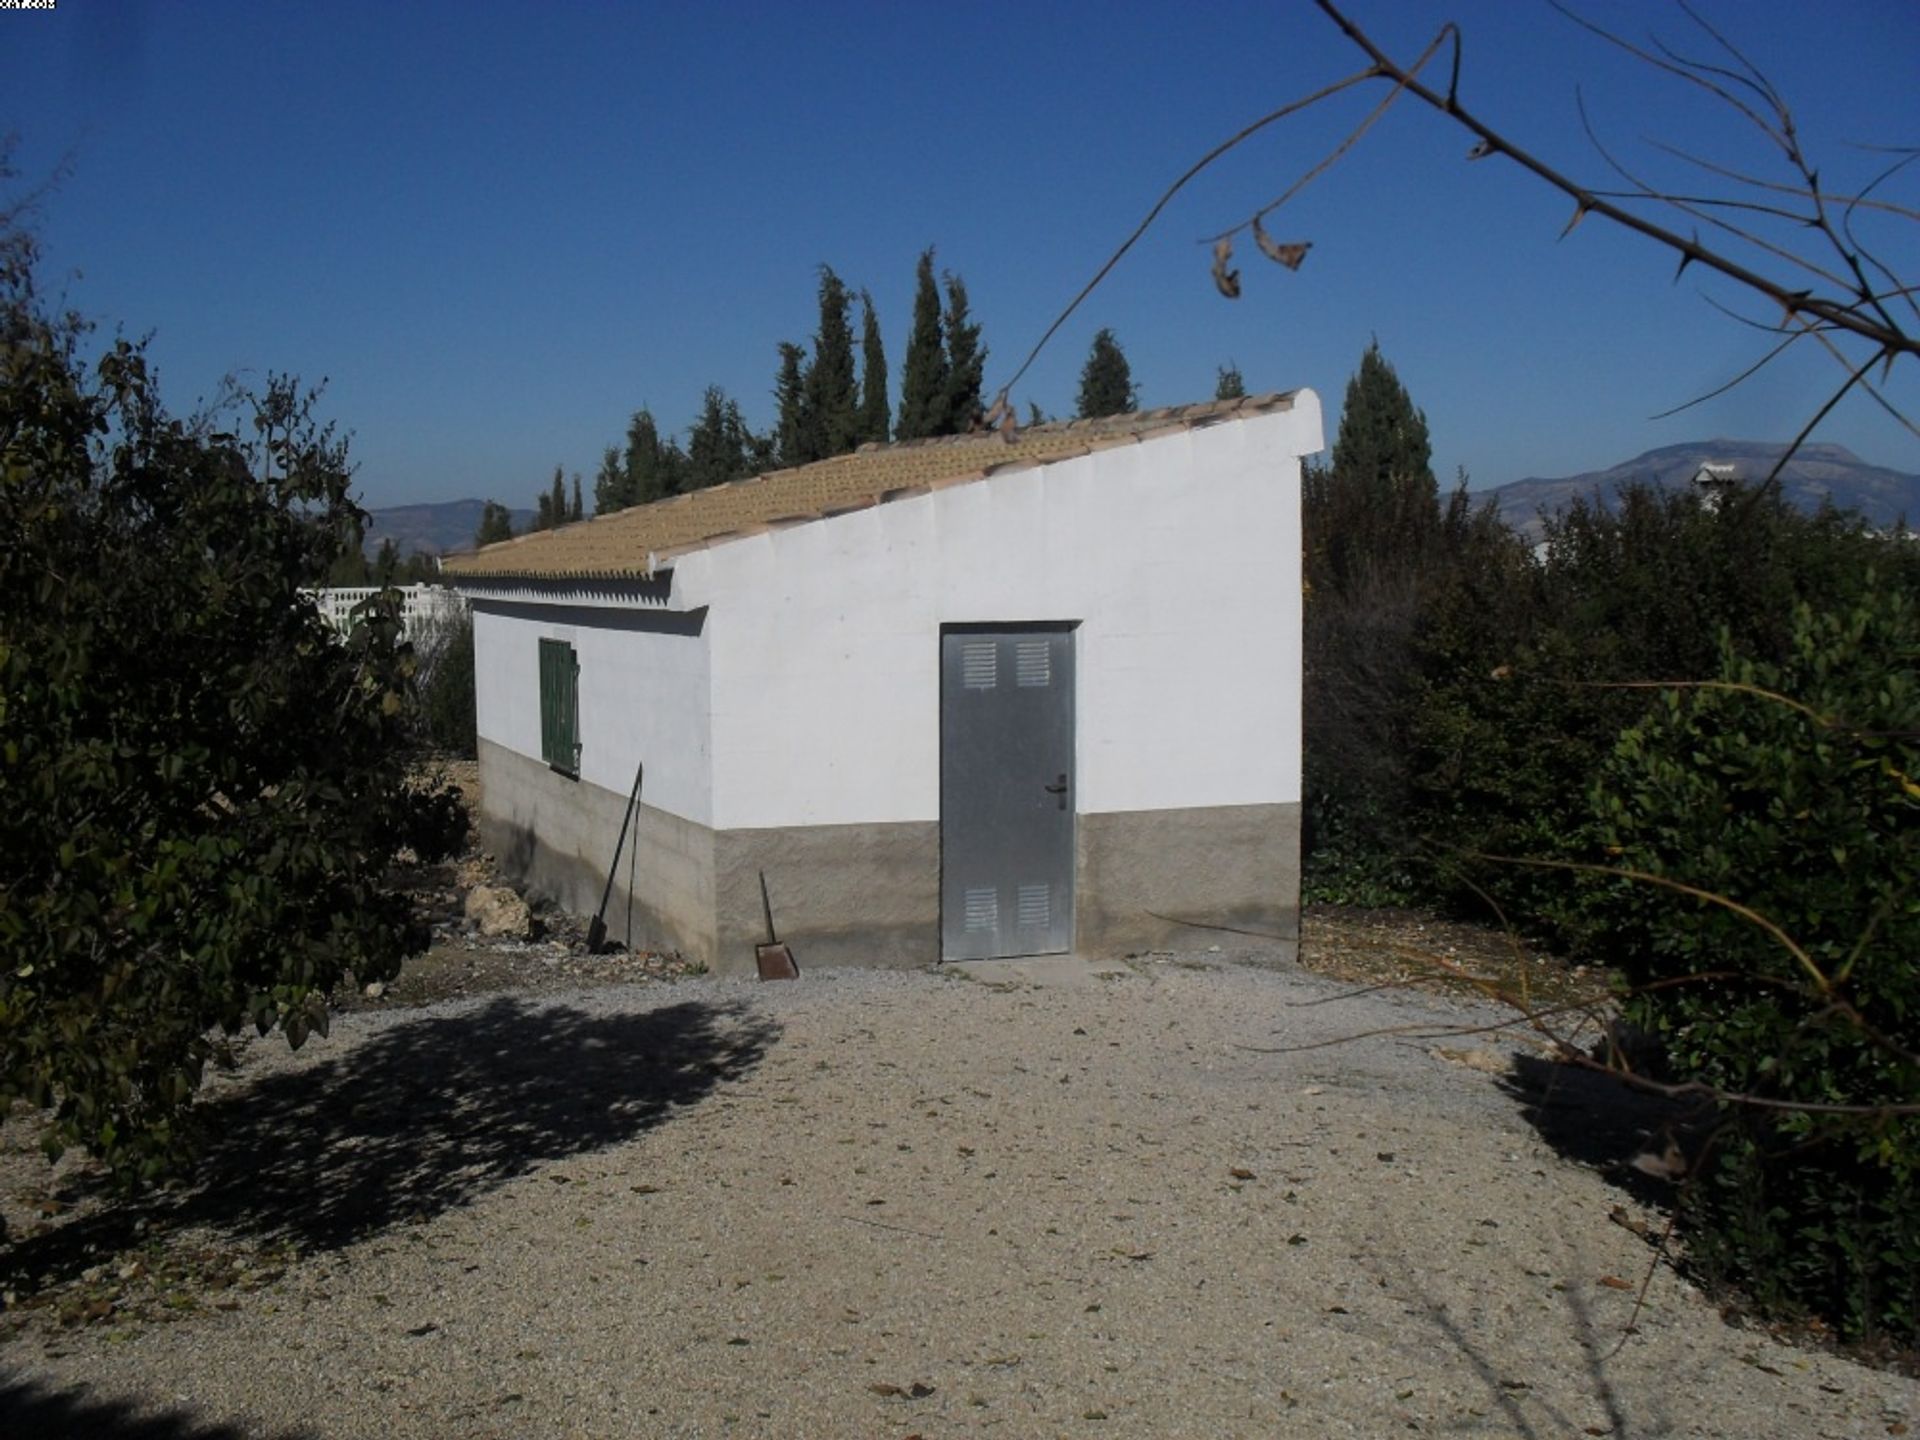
pixel 1104 433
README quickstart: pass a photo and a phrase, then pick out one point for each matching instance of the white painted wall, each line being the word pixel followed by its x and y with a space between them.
pixel 1180 556
pixel 643 695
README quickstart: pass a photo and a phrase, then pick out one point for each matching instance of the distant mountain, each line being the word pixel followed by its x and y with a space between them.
pixel 1816 474
pixel 437 529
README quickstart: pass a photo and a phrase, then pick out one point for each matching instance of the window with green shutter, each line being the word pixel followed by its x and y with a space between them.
pixel 560 706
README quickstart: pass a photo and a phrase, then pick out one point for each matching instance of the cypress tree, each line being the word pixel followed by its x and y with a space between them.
pixel 1378 502
pixel 792 430
pixel 718 447
pixel 650 475
pixel 672 469
pixel 576 511
pixel 966 362
pixel 550 506
pixel 386 563
pixel 610 485
pixel 923 379
pixel 876 416
pixel 496 524
pixel 763 452
pixel 1106 381
pixel 832 401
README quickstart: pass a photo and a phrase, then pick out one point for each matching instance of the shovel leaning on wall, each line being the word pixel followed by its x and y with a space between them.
pixel 597 930
pixel 775 959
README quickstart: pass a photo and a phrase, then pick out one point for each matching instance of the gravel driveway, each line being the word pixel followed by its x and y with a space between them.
pixel 877 1204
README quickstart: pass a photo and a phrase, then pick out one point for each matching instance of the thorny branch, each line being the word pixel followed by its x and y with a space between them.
pixel 1859 292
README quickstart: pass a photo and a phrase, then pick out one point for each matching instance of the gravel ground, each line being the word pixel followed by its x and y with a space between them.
pixel 898 1204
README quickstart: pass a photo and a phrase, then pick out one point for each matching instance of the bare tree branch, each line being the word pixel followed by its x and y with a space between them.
pixel 1205 160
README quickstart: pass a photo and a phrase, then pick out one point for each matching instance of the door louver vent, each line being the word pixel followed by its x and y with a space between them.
pixel 979 665
pixel 983 909
pixel 1036 906
pixel 1033 663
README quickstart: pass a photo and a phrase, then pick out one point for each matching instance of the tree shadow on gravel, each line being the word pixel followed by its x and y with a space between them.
pixel 1597 1120
pixel 30 1410
pixel 1527 1404
pixel 417 1119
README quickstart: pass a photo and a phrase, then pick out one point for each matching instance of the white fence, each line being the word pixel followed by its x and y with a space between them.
pixel 422 607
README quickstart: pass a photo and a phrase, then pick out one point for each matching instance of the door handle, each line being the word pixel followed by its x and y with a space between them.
pixel 1059 788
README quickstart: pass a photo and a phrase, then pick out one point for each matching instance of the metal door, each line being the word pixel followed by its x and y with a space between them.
pixel 1006 791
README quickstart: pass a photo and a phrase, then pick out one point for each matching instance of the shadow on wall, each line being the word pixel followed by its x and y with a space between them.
pixel 422 1117
pixel 513 847
pixel 31 1411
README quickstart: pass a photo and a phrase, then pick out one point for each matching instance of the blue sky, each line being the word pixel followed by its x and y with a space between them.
pixel 499 229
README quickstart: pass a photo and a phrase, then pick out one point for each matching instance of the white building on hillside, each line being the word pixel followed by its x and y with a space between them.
pixel 421 606
pixel 986 695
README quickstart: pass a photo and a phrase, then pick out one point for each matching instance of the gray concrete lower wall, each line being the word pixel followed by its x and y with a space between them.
pixel 841 894
pixel 555 836
pixel 870 894
pixel 1157 879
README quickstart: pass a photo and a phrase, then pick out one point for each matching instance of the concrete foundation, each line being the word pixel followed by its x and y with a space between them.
pixel 1173 879
pixel 842 894
pixel 870 894
pixel 555 836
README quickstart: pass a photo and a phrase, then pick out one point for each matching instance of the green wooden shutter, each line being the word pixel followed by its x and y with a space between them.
pixel 559 706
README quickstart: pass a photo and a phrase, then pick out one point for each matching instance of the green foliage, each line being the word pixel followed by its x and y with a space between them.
pixel 966 363
pixel 719 447
pixel 1522 661
pixel 1377 549
pixel 832 414
pixel 446 686
pixel 386 563
pixel 876 415
pixel 421 567
pixel 551 510
pixel 350 569
pixel 793 429
pixel 202 789
pixel 1346 865
pixel 923 379
pixel 1106 380
pixel 496 524
pixel 1229 386
pixel 610 483
pixel 576 510
pixel 1377 505
pixel 1810 818
pixel 655 468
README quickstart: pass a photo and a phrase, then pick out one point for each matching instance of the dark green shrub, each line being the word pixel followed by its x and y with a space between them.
pixel 1343 862
pixel 447 710
pixel 1523 663
pixel 202 788
pixel 1810 818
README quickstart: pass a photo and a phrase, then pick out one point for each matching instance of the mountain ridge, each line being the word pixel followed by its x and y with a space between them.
pixel 1819 473
pixel 437 527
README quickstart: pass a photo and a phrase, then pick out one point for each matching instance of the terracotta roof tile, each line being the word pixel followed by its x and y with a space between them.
pixel 629 543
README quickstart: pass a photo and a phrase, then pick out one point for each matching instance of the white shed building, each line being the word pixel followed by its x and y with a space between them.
pixel 985 695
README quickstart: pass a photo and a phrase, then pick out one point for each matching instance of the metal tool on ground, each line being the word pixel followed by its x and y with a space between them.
pixel 597 930
pixel 775 959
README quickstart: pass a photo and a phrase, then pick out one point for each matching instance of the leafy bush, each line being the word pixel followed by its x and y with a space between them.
pixel 1344 864
pixel 202 789
pixel 1524 664
pixel 447 705
pixel 1791 789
